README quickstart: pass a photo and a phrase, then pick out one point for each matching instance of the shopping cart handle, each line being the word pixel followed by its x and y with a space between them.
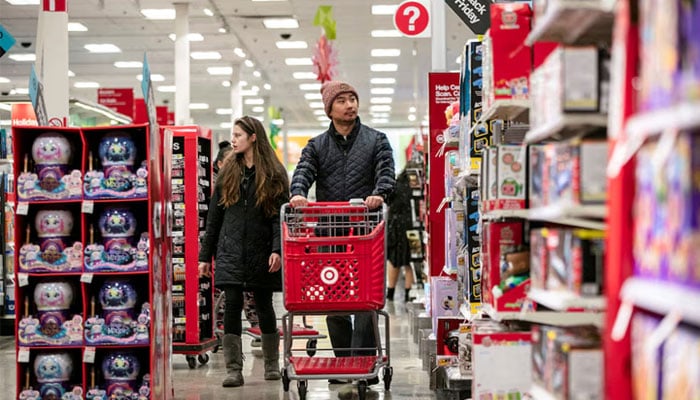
pixel 351 202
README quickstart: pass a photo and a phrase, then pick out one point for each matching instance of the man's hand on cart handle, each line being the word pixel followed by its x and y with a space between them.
pixel 274 262
pixel 298 201
pixel 373 202
pixel 205 269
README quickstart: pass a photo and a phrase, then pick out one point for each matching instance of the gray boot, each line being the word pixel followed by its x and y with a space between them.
pixel 233 357
pixel 271 355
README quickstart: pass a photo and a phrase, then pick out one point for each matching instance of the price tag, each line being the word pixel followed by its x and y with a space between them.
pixel 23 279
pixel 89 355
pixel 88 206
pixel 86 277
pixel 23 355
pixel 22 208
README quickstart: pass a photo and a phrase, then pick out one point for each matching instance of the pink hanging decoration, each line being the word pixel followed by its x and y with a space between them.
pixel 324 59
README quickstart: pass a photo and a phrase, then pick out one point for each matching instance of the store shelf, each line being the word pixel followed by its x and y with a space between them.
pixel 509 110
pixel 502 214
pixel 563 301
pixel 553 318
pixel 574 22
pixel 646 124
pixel 582 216
pixel 663 298
pixel 456 381
pixel 567 126
pixel 537 392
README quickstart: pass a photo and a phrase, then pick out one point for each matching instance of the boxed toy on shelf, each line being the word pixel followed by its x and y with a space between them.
pixel 52 374
pixel 495 351
pixel 498 240
pixel 54 244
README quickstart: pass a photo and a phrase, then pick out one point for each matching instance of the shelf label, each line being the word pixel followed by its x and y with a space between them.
pixel 86 277
pixel 89 355
pixel 23 279
pixel 180 321
pixel 22 208
pixel 23 355
pixel 88 206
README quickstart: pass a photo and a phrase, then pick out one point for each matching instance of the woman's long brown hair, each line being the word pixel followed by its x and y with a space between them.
pixel 271 178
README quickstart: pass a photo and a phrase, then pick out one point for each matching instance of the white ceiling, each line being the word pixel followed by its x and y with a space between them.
pixel 120 22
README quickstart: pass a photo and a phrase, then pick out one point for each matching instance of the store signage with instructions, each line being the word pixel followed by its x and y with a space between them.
pixel 476 14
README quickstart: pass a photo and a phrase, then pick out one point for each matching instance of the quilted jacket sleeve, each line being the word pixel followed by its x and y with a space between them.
pixel 215 217
pixel 385 174
pixel 305 172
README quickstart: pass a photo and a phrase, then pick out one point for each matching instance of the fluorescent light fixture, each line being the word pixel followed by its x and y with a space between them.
pixel 71 74
pixel 316 104
pixel 310 86
pixel 76 27
pixel 380 108
pixel 319 112
pixel 412 110
pixel 278 121
pixel 205 55
pixel 86 85
pixel 313 96
pixel 458 60
pixel 239 52
pixel 383 9
pixel 226 83
pixel 128 64
pixel 192 37
pixel 411 117
pixel 23 57
pixel 382 90
pixel 255 88
pixel 254 102
pixel 220 70
pixel 304 75
pixel 382 81
pixel 298 61
pixel 226 125
pixel 154 77
pixel 224 111
pixel 208 12
pixel 322 118
pixel 222 30
pixel 199 106
pixel 4 80
pixel 166 89
pixel 380 115
pixel 280 23
pixel 293 44
pixel 385 52
pixel 267 86
pixel 249 63
pixel 384 67
pixel 102 48
pixel 23 2
pixel 249 92
pixel 19 91
pixel 380 100
pixel 258 109
pixel 158 13
pixel 380 120
pixel 257 74
pixel 242 83
pixel 6 106
pixel 386 33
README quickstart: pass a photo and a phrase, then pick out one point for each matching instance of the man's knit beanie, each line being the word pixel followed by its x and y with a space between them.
pixel 332 89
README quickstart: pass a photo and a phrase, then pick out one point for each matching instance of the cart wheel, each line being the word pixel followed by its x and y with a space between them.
pixel 362 389
pixel 302 390
pixel 388 374
pixel 311 347
pixel 203 358
pixel 285 379
pixel 191 361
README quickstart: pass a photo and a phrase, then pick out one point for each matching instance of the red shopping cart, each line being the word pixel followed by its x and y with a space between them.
pixel 333 258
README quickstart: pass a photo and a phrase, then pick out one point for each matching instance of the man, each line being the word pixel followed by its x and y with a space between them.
pixel 348 161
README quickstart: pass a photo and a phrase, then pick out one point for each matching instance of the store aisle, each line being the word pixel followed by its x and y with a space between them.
pixel 204 382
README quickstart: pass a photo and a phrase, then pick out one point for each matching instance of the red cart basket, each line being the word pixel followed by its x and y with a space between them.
pixel 333 257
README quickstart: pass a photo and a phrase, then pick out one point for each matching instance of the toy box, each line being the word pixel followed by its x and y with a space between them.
pixel 490 179
pixel 465 349
pixel 536 176
pixel 447 335
pixel 577 370
pixel 494 355
pixel 587 261
pixel 444 298
pixel 649 212
pixel 499 238
pixel 473 262
pixel 511 177
pixel 687 80
pixel 681 365
pixel 538 258
pixel 590 179
pixel 646 365
pixel 559 248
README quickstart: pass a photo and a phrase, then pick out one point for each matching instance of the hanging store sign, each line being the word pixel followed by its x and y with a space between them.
pixel 476 14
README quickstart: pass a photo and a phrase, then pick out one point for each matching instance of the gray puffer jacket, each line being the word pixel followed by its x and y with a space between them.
pixel 346 168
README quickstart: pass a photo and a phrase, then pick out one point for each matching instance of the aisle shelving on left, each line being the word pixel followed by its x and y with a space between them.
pixel 89 287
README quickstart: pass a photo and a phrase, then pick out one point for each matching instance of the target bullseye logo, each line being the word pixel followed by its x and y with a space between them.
pixel 329 275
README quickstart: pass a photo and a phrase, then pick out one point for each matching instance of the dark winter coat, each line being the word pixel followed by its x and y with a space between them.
pixel 242 238
pixel 354 168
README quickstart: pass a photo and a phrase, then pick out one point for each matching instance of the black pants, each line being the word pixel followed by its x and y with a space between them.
pixel 234 308
pixel 344 337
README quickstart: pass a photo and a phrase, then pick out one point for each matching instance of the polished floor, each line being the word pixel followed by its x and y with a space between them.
pixel 410 381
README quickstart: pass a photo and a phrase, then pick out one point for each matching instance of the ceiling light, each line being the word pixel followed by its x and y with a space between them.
pixel 205 55
pixel 294 44
pixel 224 111
pixel 249 63
pixel 258 109
pixel 310 86
pixel 412 109
pixel 411 117
pixel 380 120
pixel 23 2
pixel 23 57
pixel 254 102
pixel 298 61
pixel 386 33
pixel 458 60
pixel 380 115
pixel 19 91
pixel 380 108
pixel 86 85
pixel 384 9
pixel 226 125
pixel 4 80
pixel 249 92
pixel 316 104
pixel 242 83
pixel 313 96
pixel 192 37
pixel 226 83
pixel 128 64
pixel 220 70
pixel 256 88
pixel 154 77
pixel 239 52
pixel 384 67
pixel 386 52
pixel 267 86
pixel 322 117
pixel 382 90
pixel 319 112
pixel 208 12
pixel 166 88
pixel 382 81
pixel 222 30
pixel 6 106
pixel 102 48
pixel 199 106
pixel 71 74
pixel 280 23
pixel 76 27
pixel 304 75
pixel 380 100
pixel 158 13
pixel 257 74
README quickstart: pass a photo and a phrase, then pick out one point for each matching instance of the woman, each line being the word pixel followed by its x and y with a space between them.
pixel 243 227
pixel 398 248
